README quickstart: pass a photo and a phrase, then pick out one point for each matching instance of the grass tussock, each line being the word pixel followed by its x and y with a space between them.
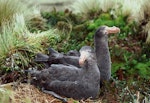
pixel 84 6
pixel 144 18
pixel 18 45
pixel 8 8
pixel 13 46
pixel 129 7
pixel 12 35
pixel 148 30
pixel 50 36
pixel 138 11
pixel 107 5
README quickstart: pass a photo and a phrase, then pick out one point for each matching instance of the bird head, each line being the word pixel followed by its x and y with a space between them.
pixel 86 54
pixel 103 31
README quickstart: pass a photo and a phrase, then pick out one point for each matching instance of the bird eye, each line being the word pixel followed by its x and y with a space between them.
pixel 89 50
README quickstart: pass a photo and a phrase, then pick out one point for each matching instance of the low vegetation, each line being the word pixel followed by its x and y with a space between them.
pixel 25 32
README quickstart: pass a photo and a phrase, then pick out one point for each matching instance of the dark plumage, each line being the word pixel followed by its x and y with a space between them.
pixel 71 81
pixel 101 50
pixel 73 53
pixel 71 58
pixel 42 58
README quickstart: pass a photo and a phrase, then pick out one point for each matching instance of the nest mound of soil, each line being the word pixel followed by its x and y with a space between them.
pixel 26 93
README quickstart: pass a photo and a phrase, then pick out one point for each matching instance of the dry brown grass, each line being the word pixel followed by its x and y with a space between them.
pixel 26 93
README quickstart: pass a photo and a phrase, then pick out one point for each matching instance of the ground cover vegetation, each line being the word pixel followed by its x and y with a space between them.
pixel 26 31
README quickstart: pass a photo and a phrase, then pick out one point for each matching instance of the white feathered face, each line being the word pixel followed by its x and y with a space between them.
pixel 86 53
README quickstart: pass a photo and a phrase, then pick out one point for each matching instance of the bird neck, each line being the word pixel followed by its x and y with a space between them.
pixel 91 65
pixel 103 57
pixel 91 69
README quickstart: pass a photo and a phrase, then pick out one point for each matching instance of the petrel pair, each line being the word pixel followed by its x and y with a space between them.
pixel 76 76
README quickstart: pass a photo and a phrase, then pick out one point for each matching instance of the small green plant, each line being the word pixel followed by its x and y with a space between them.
pixel 131 66
pixel 109 20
